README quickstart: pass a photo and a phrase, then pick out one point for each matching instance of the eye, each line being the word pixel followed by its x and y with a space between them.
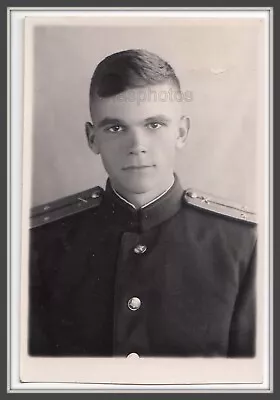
pixel 115 128
pixel 154 125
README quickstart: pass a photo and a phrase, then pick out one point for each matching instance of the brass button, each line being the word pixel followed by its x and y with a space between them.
pixel 133 355
pixel 191 194
pixel 95 195
pixel 134 303
pixel 140 249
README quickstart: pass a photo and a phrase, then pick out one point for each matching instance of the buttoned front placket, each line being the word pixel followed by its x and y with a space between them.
pixel 130 295
pixel 136 265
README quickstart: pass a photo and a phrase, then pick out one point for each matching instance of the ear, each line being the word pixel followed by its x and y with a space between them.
pixel 91 137
pixel 184 127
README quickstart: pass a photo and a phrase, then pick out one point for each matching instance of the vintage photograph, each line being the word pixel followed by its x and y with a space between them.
pixel 143 212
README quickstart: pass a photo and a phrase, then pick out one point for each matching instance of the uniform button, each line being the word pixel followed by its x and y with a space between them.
pixel 133 355
pixel 134 303
pixel 95 195
pixel 191 194
pixel 140 249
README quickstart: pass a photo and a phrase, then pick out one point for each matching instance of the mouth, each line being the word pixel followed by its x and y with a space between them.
pixel 137 167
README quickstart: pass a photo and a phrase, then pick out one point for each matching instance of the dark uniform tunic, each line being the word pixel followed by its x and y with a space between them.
pixel 169 279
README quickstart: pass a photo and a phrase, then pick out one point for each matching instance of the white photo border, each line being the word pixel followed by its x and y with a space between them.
pixel 15 19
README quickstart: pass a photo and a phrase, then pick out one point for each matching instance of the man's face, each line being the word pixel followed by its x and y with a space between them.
pixel 137 134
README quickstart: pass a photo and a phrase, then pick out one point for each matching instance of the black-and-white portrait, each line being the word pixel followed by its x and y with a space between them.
pixel 143 214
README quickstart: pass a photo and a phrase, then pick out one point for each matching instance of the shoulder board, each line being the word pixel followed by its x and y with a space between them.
pixel 69 205
pixel 219 206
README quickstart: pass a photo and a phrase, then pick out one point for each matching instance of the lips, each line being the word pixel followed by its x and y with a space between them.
pixel 137 167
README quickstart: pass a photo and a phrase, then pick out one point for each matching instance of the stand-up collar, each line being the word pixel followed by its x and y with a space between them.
pixel 146 217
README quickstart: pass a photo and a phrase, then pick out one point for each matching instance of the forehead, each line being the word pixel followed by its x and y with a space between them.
pixel 138 104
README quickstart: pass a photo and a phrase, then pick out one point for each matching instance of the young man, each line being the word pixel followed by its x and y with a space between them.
pixel 143 266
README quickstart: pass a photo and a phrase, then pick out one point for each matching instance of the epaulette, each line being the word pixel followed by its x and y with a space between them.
pixel 220 206
pixel 66 206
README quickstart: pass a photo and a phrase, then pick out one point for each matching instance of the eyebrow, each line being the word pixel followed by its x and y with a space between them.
pixel 110 121
pixel 160 117
pixel 115 121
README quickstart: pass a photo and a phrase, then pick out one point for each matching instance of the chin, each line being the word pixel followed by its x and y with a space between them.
pixel 138 186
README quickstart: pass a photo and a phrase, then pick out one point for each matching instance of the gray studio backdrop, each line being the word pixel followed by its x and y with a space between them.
pixel 218 64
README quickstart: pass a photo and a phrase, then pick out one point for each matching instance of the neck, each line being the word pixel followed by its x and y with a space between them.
pixel 139 200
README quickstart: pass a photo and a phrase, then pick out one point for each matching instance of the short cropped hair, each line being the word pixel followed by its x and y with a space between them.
pixel 130 69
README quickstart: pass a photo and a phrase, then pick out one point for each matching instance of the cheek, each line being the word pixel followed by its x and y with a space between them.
pixel 165 145
pixel 111 153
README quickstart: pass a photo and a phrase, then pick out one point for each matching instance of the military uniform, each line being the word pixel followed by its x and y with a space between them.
pixel 173 278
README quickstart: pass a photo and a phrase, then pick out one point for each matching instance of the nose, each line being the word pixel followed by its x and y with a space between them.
pixel 137 142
